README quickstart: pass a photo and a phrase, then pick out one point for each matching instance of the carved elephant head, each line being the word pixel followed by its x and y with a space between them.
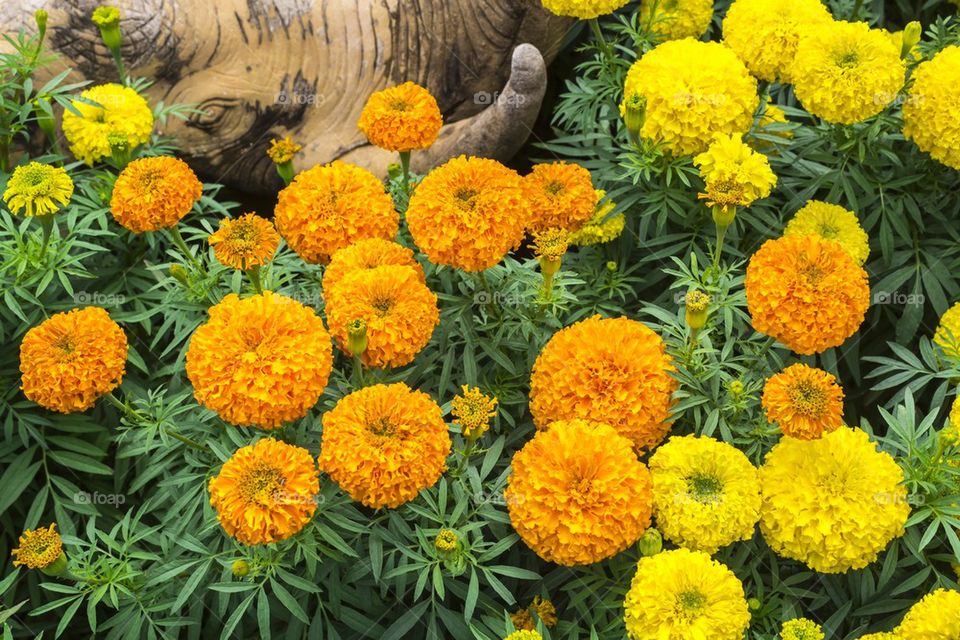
pixel 258 69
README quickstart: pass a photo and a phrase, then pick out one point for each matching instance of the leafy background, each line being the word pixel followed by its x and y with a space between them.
pixel 131 499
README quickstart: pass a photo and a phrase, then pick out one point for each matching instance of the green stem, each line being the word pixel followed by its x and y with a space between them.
pixel 721 234
pixel 405 167
pixel 118 59
pixel 358 371
pixel 856 10
pixel 254 274
pixel 139 418
pixel 4 154
pixel 46 224
pixel 601 40
pixel 491 299
pixel 182 245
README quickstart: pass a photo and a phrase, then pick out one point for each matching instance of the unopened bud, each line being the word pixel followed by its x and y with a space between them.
pixel 178 273
pixel 911 37
pixel 108 19
pixel 697 303
pixel 40 17
pixel 635 116
pixel 611 266
pixel 240 568
pixel 736 388
pixel 357 337
pixel 651 543
pixel 724 215
pixel 754 604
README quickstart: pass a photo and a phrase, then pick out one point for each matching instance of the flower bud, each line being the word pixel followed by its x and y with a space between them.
pixel 57 568
pixel 754 604
pixel 240 568
pixel 634 116
pixel 447 543
pixel 108 19
pixel 651 543
pixel 40 17
pixel 611 266
pixel 357 337
pixel 697 303
pixel 911 37
pixel 178 273
pixel 736 388
pixel 724 215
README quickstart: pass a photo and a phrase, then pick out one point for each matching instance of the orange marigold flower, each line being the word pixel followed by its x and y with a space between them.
pixel 468 213
pixel 472 410
pixel 402 118
pixel 73 358
pixel 399 310
pixel 384 444
pixel 805 402
pixel 38 548
pixel 247 242
pixel 560 194
pixel 577 493
pixel 266 492
pixel 260 361
pixel 610 370
pixel 328 207
pixel 367 254
pixel 807 292
pixel 154 193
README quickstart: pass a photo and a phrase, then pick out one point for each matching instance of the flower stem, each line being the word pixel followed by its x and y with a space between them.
pixel 46 224
pixel 601 40
pixel 721 234
pixel 491 299
pixel 254 274
pixel 856 10
pixel 182 245
pixel 358 370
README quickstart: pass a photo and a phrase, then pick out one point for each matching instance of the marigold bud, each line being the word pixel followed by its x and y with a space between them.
pixel 108 19
pixel 240 568
pixel 178 273
pixel 357 337
pixel 651 543
pixel 911 37
pixel 40 17
pixel 635 115
pixel 697 302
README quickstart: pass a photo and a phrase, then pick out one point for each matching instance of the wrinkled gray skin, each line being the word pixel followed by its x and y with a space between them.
pixel 260 69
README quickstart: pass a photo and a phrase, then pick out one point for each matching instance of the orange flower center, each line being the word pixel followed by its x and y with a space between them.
pixel 383 428
pixel 554 188
pixel 808 399
pixel 261 484
pixel 465 198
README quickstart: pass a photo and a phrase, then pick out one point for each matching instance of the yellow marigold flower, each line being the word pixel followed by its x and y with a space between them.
pixel 266 492
pixel 832 222
pixel 106 16
pixel 935 617
pixel 950 434
pixel 384 444
pixel 765 33
pixel 550 244
pixel 833 503
pixel 154 193
pixel 447 541
pixel 806 292
pixel 468 213
pixel 525 634
pixel 675 19
pixel 801 629
pixel 947 335
pixel 118 110
pixel 560 194
pixel 399 310
pixel 705 493
pixel 38 189
pixel 472 411
pixel 693 90
pixel 247 242
pixel 283 151
pixel 930 111
pixel 685 594
pixel 329 207
pixel 881 636
pixel 804 402
pixel 585 10
pixel 697 303
pixel 729 165
pixel 39 548
pixel 402 118
pixel 260 361
pixel 612 370
pixel 577 493
pixel 846 72
pixel 362 255
pixel 71 359
pixel 601 227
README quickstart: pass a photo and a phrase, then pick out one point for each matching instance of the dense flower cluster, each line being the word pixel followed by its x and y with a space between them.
pixel 154 193
pixel 693 90
pixel 246 242
pixel 846 72
pixel 402 118
pixel 559 195
pixel 583 9
pixel 935 617
pixel 601 227
pixel 369 253
pixel 765 33
pixel 931 111
pixel 685 594
pixel 804 402
pixel 266 492
pixel 260 361
pixel 831 222
pixel 577 493
pixel 806 292
pixel 72 359
pixel 108 113
pixel 677 19
pixel 833 503
pixel 37 189
pixel 614 371
pixel 399 310
pixel 735 174
pixel 328 207
pixel 472 410
pixel 384 444
pixel 468 213
pixel 705 493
